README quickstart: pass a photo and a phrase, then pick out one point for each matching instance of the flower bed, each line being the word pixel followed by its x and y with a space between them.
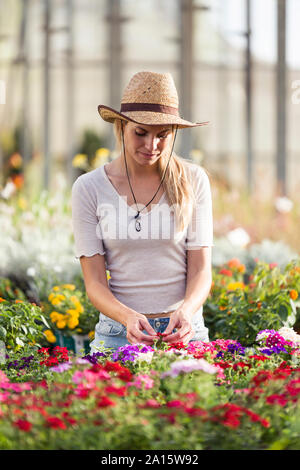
pixel 217 395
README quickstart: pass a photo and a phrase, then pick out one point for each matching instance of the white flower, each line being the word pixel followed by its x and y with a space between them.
pixel 145 357
pixel 189 365
pixel 283 204
pixel 289 334
pixel 31 271
pixel 8 190
pixel 238 237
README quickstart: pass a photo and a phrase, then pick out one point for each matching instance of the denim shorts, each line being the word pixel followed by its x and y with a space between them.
pixel 113 333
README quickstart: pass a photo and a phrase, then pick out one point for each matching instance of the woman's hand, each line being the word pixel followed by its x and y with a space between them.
pixel 182 321
pixel 135 324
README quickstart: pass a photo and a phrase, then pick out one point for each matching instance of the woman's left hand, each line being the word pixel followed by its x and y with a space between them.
pixel 182 321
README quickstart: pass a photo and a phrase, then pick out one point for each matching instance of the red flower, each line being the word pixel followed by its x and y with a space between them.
pixel 112 366
pixel 241 364
pixel 178 345
pixel 104 402
pixel 55 423
pixel 23 425
pixel 259 358
pixel 125 375
pixel 98 422
pixel 44 351
pixel 293 388
pixel 276 400
pixel 69 418
pixel 174 404
pixel 226 272
pixel 120 391
pixel 195 411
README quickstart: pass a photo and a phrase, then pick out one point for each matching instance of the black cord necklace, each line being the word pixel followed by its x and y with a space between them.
pixel 137 216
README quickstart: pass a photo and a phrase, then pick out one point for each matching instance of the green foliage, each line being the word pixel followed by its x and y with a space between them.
pixel 91 142
pixel 9 291
pixel 21 323
pixel 241 304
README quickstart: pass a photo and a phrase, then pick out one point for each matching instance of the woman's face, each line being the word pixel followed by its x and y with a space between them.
pixel 145 144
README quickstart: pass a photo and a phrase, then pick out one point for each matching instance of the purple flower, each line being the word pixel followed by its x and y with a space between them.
pixel 236 348
pixel 93 358
pixel 274 350
pixel 130 352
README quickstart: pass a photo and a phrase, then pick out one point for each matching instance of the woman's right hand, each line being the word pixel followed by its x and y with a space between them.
pixel 135 324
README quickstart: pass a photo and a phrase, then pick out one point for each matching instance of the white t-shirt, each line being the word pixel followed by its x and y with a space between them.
pixel 147 268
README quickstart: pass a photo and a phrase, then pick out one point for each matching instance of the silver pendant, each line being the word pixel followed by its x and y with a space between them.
pixel 138 223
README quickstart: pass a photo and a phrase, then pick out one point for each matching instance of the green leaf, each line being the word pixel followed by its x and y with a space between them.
pixel 45 321
pixel 283 312
pixel 24 329
pixel 19 341
pixel 3 332
pixel 279 445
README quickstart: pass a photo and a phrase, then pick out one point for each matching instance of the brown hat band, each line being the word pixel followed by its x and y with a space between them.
pixel 154 107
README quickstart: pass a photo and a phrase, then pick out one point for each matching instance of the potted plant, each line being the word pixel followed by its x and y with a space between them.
pixel 72 317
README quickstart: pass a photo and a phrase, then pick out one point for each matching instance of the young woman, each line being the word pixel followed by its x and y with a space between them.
pixel 147 218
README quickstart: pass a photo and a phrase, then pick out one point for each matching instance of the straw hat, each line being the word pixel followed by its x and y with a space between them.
pixel 149 98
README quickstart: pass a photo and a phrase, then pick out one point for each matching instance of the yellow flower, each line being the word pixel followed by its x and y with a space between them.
pixel 72 311
pixel 235 285
pixel 80 161
pixel 51 296
pixel 61 324
pixel 56 316
pixel 72 323
pixel 101 157
pixel 56 300
pixel 74 299
pixel 69 286
pixel 50 336
pixel 91 334
pixel 79 307
pixel 56 288
pixel 22 203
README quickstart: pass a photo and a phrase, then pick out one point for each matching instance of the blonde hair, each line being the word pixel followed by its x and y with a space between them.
pixel 177 186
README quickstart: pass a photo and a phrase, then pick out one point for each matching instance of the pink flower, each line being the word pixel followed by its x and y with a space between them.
pixel 4 396
pixel 3 377
pixel 142 381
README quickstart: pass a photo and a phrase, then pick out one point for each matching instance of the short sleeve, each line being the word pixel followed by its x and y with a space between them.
pixel 200 228
pixel 85 223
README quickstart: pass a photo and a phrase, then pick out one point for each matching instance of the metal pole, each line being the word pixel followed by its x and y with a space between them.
pixel 25 151
pixel 249 99
pixel 115 78
pixel 186 71
pixel 70 93
pixel 281 97
pixel 46 94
